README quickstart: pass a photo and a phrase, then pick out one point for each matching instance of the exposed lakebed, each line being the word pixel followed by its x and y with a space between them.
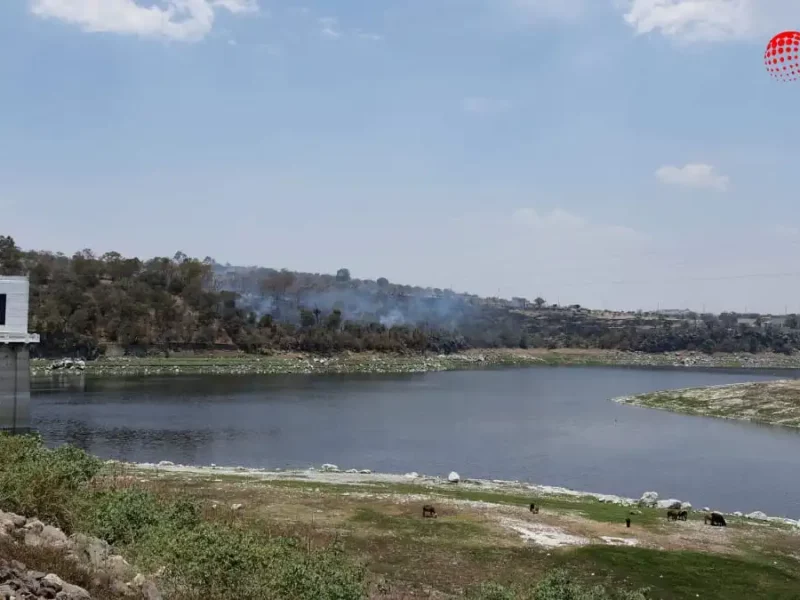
pixel 547 425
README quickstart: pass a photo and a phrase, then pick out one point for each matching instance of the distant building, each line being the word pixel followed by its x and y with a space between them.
pixel 15 372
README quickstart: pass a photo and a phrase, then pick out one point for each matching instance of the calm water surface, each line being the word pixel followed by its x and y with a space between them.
pixel 550 425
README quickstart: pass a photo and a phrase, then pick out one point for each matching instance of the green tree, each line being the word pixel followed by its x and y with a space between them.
pixel 343 275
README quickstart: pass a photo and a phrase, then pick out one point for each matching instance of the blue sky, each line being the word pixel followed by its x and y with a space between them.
pixel 613 153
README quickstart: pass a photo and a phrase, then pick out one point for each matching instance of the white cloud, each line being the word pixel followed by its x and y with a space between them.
pixel 330 28
pixel 711 20
pixel 693 175
pixel 483 105
pixel 183 20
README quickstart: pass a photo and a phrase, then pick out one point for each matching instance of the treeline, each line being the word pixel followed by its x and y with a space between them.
pixel 82 305
pixel 86 304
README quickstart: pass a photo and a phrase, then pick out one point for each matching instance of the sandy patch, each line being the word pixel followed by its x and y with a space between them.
pixel 615 541
pixel 543 535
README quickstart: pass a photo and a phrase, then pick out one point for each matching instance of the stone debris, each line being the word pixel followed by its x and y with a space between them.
pixel 89 553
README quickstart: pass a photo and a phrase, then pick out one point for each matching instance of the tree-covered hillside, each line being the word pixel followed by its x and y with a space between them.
pixel 87 305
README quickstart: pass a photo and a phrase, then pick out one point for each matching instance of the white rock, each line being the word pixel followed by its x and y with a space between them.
pixel 706 509
pixel 329 468
pixel 757 515
pixel 365 471
pixel 412 475
pixel 671 503
pixel 351 471
pixel 166 463
pixel 237 507
pixel 453 477
pixel 648 499
pixel 738 514
pixel 686 506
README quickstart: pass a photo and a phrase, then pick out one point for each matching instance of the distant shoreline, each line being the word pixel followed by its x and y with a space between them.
pixel 767 402
pixel 377 363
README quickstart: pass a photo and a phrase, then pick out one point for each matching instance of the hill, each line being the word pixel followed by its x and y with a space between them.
pixel 89 305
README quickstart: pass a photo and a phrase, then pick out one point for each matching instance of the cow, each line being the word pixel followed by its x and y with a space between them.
pixel 672 515
pixel 716 520
pixel 428 511
pixel 683 515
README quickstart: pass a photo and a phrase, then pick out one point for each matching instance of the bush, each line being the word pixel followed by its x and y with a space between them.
pixel 48 484
pixel 124 517
pixel 215 560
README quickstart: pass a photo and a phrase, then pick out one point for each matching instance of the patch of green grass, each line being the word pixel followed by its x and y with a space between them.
pixel 680 575
pixel 416 528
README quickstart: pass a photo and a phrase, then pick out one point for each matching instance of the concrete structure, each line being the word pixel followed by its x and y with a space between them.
pixel 15 371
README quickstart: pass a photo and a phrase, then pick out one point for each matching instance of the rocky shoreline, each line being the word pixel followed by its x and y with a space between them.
pixel 374 363
pixel 770 402
pixel 333 475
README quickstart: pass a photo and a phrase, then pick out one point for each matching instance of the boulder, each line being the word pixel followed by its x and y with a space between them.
pixel 412 475
pixel 758 516
pixel 90 550
pixel 237 507
pixel 53 537
pixel 352 471
pixel 686 506
pixel 672 503
pixel 453 477
pixel 706 509
pixel 329 468
pixel 738 514
pixel 648 499
pixel 365 471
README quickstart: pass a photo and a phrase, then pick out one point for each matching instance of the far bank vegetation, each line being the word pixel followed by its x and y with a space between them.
pixel 87 305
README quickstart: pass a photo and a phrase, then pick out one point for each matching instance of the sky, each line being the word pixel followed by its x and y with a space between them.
pixel 618 154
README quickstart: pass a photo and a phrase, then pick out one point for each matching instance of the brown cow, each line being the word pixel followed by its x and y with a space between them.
pixel 534 509
pixel 716 520
pixel 683 515
pixel 672 515
pixel 428 511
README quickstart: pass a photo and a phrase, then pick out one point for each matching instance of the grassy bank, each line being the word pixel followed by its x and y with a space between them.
pixel 370 362
pixel 485 541
pixel 771 402
pixel 213 535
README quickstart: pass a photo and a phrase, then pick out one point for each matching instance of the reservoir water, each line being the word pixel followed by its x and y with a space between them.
pixel 547 425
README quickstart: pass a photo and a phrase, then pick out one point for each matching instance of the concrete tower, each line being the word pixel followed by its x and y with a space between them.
pixel 15 370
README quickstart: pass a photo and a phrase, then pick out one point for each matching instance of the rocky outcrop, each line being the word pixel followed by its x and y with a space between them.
pixel 453 477
pixel 649 499
pixel 758 516
pixel 90 554
pixel 17 581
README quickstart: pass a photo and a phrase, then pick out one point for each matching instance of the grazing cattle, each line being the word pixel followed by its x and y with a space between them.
pixel 534 509
pixel 683 515
pixel 628 522
pixel 672 515
pixel 428 511
pixel 716 520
